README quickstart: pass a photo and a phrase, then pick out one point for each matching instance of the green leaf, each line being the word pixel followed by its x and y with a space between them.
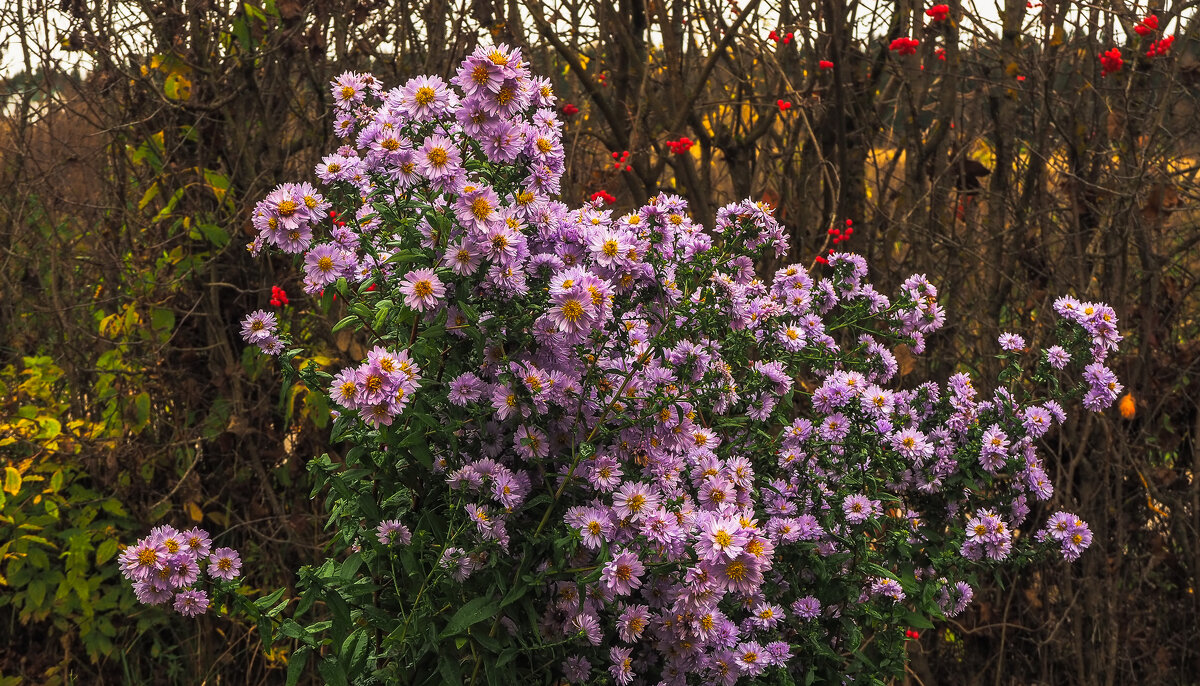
pixel 214 234
pixel 917 621
pixel 476 610
pixel 345 321
pixel 267 601
pixel 105 551
pixel 162 319
pixel 354 651
pixel 350 566
pixel 36 592
pixel 296 664
pixel 515 594
pixel 141 410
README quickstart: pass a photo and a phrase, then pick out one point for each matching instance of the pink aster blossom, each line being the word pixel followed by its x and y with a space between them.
pixel 422 290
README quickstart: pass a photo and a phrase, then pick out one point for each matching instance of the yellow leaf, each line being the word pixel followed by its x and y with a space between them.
pixel 193 511
pixel 177 86
pixel 1057 37
pixel 12 480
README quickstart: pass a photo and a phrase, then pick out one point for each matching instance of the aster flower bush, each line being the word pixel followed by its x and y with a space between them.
pixel 595 448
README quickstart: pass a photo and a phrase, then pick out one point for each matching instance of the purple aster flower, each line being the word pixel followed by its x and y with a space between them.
pixel 348 90
pixel 196 542
pixel 375 385
pixel 345 389
pixel 191 603
pixel 1057 356
pixel 465 388
pixel 224 563
pixel 258 326
pixel 576 669
pixel 1061 524
pixel 888 588
pixel 858 508
pixel 438 158
pixel 1036 421
pixel 572 311
pixel 595 526
pixel 622 574
pixel 911 444
pixel 587 624
pixel 767 615
pixel 325 264
pixel 622 665
pixel 993 453
pixel 954 599
pixel 807 607
pixel 139 561
pixel 719 537
pixel 1078 538
pixel 184 570
pixel 633 500
pixel 425 98
pixel 633 622
pixel 750 658
pixel 392 531
pixel 1011 342
pixel 422 289
pixel 834 427
pixel 150 594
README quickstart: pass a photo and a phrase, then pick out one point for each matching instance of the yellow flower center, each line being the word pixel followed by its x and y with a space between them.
pixel 287 208
pixel 438 157
pixel 423 289
pixel 723 538
pixel 424 95
pixel 325 264
pixel 481 208
pixel 736 570
pixel 572 311
pixel 147 557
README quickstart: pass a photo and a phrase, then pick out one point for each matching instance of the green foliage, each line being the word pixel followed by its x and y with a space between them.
pixel 58 535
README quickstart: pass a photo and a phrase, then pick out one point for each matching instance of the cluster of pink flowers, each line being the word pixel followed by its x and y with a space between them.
pixel 1070 531
pixel 629 386
pixel 379 388
pixel 262 329
pixel 166 566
